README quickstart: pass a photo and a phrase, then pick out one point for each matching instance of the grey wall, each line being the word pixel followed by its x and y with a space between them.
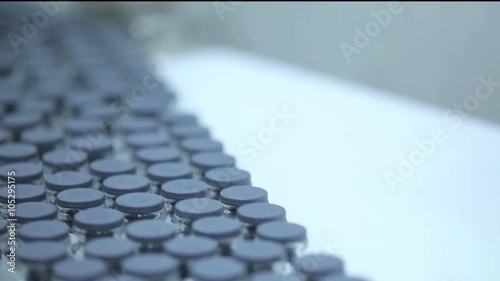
pixel 432 52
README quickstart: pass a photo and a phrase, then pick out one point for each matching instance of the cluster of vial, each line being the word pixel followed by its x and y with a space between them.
pixel 111 183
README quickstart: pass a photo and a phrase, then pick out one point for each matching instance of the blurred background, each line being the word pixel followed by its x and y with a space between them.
pixel 430 52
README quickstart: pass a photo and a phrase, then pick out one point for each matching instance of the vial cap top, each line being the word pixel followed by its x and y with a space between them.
pixel 139 203
pixel 197 208
pixel 152 155
pixel 80 270
pixel 163 172
pixel 217 227
pixel 110 249
pixel 184 189
pixel 44 230
pixel 191 247
pixel 258 213
pixel 150 231
pixel 218 269
pixel 243 194
pixel 150 265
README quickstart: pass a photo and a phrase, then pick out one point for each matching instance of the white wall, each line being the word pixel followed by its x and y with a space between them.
pixel 429 51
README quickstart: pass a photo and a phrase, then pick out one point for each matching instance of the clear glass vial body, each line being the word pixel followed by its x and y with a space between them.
pixel 158 215
pixel 230 210
pixel 67 215
pixel 182 224
pixel 34 272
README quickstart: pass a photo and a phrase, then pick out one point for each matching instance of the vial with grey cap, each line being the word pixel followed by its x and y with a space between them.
pixel 65 160
pixel 75 127
pixel 136 141
pixel 254 214
pixel 71 201
pixel 151 108
pixel 16 123
pixel 193 146
pixel 189 210
pixel 177 190
pixel 153 155
pixel 205 161
pixel 171 119
pixel 235 196
pixel 95 223
pixel 23 193
pixel 108 167
pixel 18 152
pixel 141 205
pixel 152 267
pixel 43 107
pixel 26 172
pixel 224 230
pixel 164 172
pixel 132 125
pixel 198 145
pixel 79 270
pixel 54 86
pixel 65 180
pixel 260 255
pixel 96 147
pixel 220 178
pixel 150 234
pixel 44 230
pixel 99 111
pixel 314 267
pixel 78 101
pixel 37 259
pixel 115 186
pixel 139 140
pixel 45 139
pixel 34 211
pixel 218 269
pixel 184 132
pixel 291 235
pixel 189 249
pixel 112 250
